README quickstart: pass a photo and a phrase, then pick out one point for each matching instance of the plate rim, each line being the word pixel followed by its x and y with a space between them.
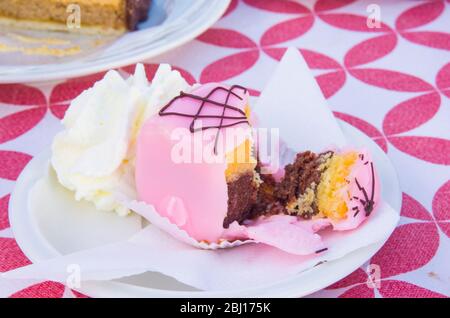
pixel 219 6
pixel 282 288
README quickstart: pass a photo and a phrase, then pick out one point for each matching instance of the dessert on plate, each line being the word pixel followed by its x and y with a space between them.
pixel 104 16
pixel 190 154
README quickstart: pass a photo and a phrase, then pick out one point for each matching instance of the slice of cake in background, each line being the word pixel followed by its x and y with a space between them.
pixel 96 16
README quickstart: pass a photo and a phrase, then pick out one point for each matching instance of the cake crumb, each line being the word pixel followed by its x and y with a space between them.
pixel 433 275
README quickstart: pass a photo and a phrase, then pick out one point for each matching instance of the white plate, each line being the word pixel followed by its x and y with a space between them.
pixel 39 242
pixel 171 23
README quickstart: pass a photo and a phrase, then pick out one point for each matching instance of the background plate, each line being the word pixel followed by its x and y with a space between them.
pixel 38 242
pixel 171 23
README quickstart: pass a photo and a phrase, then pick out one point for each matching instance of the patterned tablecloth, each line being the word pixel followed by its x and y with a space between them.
pixel 391 81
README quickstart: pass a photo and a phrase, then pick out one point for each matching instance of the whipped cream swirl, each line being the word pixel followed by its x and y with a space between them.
pixel 94 155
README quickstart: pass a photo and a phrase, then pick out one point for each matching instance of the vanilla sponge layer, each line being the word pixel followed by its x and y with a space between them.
pixel 326 196
pixel 330 196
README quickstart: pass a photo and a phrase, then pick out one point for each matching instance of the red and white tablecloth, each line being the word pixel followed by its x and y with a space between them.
pixel 392 82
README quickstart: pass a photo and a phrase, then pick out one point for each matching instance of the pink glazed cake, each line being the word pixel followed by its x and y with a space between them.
pixel 196 165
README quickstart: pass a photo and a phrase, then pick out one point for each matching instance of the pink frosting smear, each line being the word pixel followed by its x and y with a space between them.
pixel 193 195
pixel 289 234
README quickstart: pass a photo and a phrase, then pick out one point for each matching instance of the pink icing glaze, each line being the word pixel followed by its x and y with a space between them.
pixel 362 172
pixel 192 194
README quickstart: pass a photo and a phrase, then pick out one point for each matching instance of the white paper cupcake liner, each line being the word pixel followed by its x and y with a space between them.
pixel 149 213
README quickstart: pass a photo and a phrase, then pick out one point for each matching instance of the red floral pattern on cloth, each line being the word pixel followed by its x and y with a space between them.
pixel 410 247
pixel 391 82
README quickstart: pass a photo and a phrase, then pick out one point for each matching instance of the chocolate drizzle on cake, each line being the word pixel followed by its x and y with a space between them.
pixel 237 119
pixel 367 202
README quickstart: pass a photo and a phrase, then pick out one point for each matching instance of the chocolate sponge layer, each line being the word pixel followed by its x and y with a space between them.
pixel 242 195
pixel 266 202
pixel 300 177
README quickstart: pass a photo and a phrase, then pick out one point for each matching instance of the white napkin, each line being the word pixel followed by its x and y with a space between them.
pixel 239 267
pixel 293 102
